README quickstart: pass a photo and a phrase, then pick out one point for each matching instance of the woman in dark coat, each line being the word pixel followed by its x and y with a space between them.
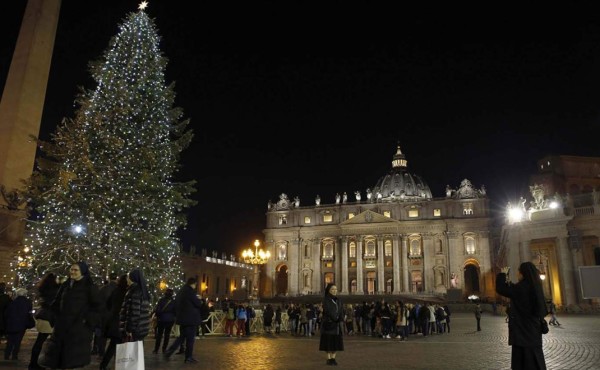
pixel 112 327
pixel 17 316
pixel 268 318
pixel 78 309
pixel 331 333
pixel 528 307
pixel 135 312
pixel 47 289
pixel 165 317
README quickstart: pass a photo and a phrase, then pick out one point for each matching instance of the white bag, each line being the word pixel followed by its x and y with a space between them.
pixel 130 356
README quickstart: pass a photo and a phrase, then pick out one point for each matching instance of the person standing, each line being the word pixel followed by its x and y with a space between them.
pixel 331 333
pixel 17 315
pixel 135 311
pixel 527 308
pixel 188 318
pixel 165 318
pixel 553 320
pixel 478 316
pixel 111 328
pixel 78 308
pixel 268 314
pixel 47 288
pixel 99 338
pixel 4 301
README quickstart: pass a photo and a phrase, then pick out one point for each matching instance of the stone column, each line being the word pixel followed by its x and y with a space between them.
pixel 315 254
pixel 428 263
pixel 380 267
pixel 344 251
pixel 360 284
pixel 566 271
pixel 21 110
pixel 294 259
pixel 405 266
pixel 396 263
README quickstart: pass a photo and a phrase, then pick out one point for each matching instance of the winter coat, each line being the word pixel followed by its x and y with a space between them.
pixel 78 308
pixel 17 314
pixel 135 313
pixel 524 319
pixel 268 316
pixel 106 292
pixel 188 307
pixel 113 306
pixel 165 310
pixel 4 301
pixel 333 314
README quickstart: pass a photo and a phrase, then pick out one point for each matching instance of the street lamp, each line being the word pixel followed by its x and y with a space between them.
pixel 255 257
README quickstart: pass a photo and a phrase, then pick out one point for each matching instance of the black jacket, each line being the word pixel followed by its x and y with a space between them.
pixel 524 317
pixel 333 314
pixel 188 307
pixel 78 308
pixel 135 313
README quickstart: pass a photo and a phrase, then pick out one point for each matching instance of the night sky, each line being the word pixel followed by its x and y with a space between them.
pixel 306 99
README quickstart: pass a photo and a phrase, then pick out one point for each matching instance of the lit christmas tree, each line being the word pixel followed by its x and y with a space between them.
pixel 104 189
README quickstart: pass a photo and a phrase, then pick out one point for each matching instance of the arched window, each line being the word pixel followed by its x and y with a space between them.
pixel 415 248
pixel 282 251
pixel 328 250
pixel 387 247
pixel 469 245
pixel 352 250
pixel 370 248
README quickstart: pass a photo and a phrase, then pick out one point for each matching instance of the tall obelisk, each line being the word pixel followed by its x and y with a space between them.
pixel 21 110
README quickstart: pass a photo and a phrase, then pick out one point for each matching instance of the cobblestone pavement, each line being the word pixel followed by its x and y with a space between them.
pixel 574 345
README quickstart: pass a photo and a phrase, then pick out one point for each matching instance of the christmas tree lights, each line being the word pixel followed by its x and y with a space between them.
pixel 104 188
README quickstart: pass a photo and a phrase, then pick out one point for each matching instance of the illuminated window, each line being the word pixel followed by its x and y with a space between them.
pixel 307 219
pixel 352 263
pixel 437 212
pixel 282 251
pixel 387 248
pixel 282 220
pixel 470 245
pixel 352 250
pixel 350 215
pixel 467 209
pixel 328 264
pixel 413 213
pixel 387 214
pixel 328 250
pixel 388 263
pixel 327 218
pixel 415 248
pixel 370 249
pixel 328 278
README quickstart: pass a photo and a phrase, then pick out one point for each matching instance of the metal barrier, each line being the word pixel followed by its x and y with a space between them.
pixel 216 323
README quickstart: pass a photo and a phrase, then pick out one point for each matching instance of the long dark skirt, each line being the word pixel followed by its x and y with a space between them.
pixel 331 342
pixel 527 358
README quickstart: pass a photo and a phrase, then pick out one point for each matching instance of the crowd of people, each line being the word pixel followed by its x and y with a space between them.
pixel 83 318
pixel 86 319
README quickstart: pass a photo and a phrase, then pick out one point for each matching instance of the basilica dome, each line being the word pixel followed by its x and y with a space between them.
pixel 401 185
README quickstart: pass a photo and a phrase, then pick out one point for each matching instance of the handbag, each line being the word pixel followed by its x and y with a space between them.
pixel 130 356
pixel 544 326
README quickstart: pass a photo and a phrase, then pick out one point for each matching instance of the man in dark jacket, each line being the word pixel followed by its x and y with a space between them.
pixel 4 301
pixel 105 292
pixel 188 318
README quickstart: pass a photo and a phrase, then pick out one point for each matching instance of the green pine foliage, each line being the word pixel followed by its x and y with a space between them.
pixel 111 170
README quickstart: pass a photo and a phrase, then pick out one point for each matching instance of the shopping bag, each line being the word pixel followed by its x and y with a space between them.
pixel 130 356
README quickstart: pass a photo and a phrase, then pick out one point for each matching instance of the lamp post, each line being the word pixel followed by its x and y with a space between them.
pixel 256 258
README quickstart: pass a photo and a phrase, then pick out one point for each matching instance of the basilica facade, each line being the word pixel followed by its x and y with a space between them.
pixel 395 238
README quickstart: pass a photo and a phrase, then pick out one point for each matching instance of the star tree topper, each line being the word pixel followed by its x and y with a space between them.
pixel 143 5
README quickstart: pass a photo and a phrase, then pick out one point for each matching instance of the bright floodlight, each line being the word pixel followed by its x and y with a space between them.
pixel 515 214
pixel 553 204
